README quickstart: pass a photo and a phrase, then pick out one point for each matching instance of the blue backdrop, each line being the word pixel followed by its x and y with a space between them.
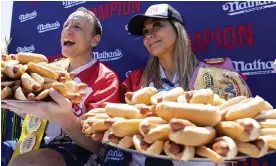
pixel 243 31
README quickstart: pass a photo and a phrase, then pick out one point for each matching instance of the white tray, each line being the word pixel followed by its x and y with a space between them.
pixel 195 159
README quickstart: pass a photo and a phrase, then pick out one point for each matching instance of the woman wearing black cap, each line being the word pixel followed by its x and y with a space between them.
pixel 171 64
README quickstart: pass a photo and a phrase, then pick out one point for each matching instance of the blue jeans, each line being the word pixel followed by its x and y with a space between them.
pixel 7 149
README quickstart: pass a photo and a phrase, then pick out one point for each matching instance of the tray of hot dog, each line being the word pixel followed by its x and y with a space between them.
pixel 28 77
pixel 183 125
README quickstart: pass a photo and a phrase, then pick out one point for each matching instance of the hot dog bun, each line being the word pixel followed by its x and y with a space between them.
pixel 191 112
pixel 268 114
pixel 171 95
pixel 157 98
pixel 186 133
pixel 255 149
pixel 271 141
pixel 149 123
pixel 242 130
pixel 42 95
pixel 232 102
pixel 268 123
pixel 179 152
pixel 153 149
pixel 123 110
pixel 19 95
pixel 6 93
pixel 161 132
pixel 124 142
pixel 217 101
pixel 225 146
pixel 142 96
pixel 209 153
pixel 202 96
pixel 249 109
pixel 268 106
pixel 30 83
pixel 268 131
pixel 94 112
pixel 42 70
pixel 94 125
pixel 126 127
pixel 25 58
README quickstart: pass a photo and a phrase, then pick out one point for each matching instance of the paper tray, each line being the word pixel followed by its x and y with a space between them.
pixel 195 159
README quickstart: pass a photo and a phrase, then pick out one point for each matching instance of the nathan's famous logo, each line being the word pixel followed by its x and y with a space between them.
pixel 27 16
pixel 114 155
pixel 254 68
pixel 237 7
pixel 108 56
pixel 208 80
pixel 48 27
pixel 30 48
pixel 68 4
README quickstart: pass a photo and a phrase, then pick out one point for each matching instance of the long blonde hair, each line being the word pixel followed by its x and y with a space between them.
pixel 185 61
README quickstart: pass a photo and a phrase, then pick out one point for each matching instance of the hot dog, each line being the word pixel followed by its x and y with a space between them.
pixel 155 148
pixel 222 148
pixel 123 110
pixel 170 95
pixel 271 141
pixel 110 121
pixel 217 101
pixel 267 123
pixel 93 112
pixel 161 132
pixel 25 58
pixel 13 70
pixel 232 102
pixel 42 70
pixel 268 106
pixel 30 83
pixel 149 123
pixel 6 93
pixel 179 152
pixel 42 95
pixel 142 96
pixel 268 131
pixel 268 114
pixel 191 112
pixel 242 130
pixel 254 149
pixel 19 95
pixel 91 126
pixel 123 142
pixel 127 127
pixel 248 109
pixel 186 133
pixel 202 96
pixel 209 153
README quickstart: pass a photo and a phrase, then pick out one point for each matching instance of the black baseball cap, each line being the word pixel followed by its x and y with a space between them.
pixel 135 24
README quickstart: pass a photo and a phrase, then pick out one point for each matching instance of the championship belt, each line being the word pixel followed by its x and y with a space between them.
pixel 34 128
pixel 220 76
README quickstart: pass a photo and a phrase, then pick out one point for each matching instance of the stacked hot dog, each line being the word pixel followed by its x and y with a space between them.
pixel 183 125
pixel 29 76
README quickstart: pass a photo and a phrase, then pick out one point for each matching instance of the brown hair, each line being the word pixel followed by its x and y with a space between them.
pixel 185 61
pixel 97 24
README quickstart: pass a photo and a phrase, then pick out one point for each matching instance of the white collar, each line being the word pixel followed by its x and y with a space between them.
pixel 163 75
pixel 84 67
